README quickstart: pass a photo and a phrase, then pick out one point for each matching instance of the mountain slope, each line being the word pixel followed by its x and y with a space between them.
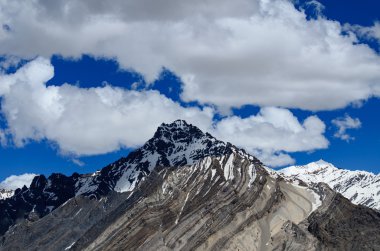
pixel 213 204
pixel 218 203
pixel 358 186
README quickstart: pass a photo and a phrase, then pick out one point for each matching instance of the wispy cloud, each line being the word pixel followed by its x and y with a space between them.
pixel 345 123
pixel 371 32
pixel 317 6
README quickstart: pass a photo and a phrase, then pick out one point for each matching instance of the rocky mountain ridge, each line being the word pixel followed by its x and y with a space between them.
pixel 219 203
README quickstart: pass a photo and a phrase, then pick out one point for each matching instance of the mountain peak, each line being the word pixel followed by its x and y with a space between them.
pixel 178 128
pixel 319 165
pixel 321 162
pixel 177 123
pixel 176 144
pixel 311 168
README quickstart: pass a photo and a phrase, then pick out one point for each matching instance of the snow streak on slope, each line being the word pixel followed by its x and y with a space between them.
pixel 6 194
pixel 360 187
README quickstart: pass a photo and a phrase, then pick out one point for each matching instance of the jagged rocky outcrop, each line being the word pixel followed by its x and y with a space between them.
pixel 42 196
pixel 185 190
pixel 360 187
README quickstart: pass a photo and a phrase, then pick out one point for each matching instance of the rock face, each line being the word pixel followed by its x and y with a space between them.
pixel 340 225
pixel 185 190
pixel 335 225
pixel 359 187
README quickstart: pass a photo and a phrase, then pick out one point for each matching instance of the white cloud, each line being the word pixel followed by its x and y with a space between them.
pixel 271 133
pixel 372 32
pixel 17 181
pixel 78 162
pixel 85 121
pixel 228 53
pixel 273 159
pixel 345 123
pixel 88 121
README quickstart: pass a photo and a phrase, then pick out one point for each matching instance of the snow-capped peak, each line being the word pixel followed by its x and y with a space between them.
pixel 316 167
pixel 360 187
pixel 321 162
pixel 174 144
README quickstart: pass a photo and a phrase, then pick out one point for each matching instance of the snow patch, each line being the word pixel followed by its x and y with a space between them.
pixel 70 246
pixel 183 206
pixel 252 173
pixel 229 168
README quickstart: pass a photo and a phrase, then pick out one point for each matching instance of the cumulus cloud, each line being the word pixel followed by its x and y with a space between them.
pixel 85 121
pixel 227 53
pixel 17 181
pixel 88 121
pixel 273 159
pixel 272 132
pixel 345 123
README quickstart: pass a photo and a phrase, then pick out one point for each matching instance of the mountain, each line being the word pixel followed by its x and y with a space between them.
pixel 5 193
pixel 214 203
pixel 185 190
pixel 176 144
pixel 360 187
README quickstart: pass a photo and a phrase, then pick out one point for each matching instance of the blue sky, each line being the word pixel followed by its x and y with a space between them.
pixel 149 75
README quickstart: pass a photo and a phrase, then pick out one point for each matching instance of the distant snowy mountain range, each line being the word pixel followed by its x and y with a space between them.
pixel 360 187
